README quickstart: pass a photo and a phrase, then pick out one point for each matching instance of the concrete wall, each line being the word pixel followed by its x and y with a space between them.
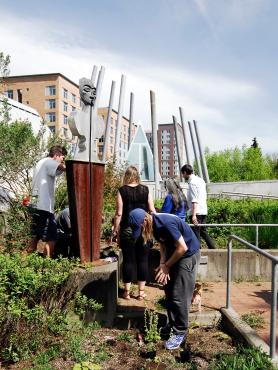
pixel 266 187
pixel 246 265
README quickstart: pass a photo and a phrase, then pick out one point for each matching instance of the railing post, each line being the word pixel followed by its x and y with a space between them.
pixel 273 310
pixel 229 273
pixel 257 236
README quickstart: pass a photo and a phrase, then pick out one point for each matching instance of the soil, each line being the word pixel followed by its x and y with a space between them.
pixel 115 349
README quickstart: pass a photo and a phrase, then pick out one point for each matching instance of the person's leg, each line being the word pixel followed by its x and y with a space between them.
pixel 202 219
pixel 49 234
pixel 183 286
pixel 142 259
pixel 49 248
pixel 129 260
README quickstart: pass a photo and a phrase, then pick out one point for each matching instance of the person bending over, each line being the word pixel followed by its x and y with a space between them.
pixel 180 255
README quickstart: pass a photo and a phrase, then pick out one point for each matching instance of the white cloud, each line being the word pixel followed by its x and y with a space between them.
pixel 203 96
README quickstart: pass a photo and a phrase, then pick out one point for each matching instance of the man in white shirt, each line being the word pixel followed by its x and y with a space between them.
pixel 44 226
pixel 197 203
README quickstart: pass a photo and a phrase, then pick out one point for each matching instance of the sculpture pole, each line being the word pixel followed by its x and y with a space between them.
pixel 85 173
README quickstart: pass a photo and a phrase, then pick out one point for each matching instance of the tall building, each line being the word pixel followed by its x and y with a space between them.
pixel 123 149
pixel 53 95
pixel 167 150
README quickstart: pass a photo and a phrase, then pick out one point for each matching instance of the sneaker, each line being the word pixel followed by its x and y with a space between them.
pixel 175 341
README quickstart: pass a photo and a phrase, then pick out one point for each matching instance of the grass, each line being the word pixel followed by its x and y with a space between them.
pixel 244 359
pixel 253 319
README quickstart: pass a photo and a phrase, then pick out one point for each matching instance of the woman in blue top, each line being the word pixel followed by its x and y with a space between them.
pixel 175 201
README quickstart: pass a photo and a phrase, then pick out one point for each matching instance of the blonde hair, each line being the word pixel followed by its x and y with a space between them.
pixel 147 228
pixel 131 175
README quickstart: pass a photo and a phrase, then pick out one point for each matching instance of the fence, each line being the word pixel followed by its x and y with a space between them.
pixel 241 195
pixel 257 226
pixel 274 275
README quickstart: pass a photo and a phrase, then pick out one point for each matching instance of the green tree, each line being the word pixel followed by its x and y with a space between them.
pixel 245 164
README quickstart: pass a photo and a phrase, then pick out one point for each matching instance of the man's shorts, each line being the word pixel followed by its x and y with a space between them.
pixel 43 226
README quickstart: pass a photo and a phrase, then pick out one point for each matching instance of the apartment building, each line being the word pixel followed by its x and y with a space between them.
pixel 167 150
pixel 123 149
pixel 53 95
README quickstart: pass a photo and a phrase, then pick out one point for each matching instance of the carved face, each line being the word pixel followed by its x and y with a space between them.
pixel 87 91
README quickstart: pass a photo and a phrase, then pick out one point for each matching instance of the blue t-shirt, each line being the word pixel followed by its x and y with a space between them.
pixel 167 229
pixel 168 207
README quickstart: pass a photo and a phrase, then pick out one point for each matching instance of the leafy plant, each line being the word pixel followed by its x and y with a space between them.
pixel 151 330
pixel 245 358
pixel 253 319
pixel 83 303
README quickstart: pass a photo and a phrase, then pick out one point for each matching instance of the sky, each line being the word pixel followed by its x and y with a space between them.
pixel 217 59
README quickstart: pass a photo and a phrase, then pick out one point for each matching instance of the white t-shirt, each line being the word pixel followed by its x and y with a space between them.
pixel 43 184
pixel 197 193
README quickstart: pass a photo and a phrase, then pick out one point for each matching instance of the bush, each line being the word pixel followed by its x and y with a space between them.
pixel 244 211
pixel 32 303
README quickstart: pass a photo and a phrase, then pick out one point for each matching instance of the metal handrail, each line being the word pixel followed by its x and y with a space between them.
pixel 257 226
pixel 244 195
pixel 274 275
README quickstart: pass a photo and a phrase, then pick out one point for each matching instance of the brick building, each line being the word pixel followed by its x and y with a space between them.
pixel 53 95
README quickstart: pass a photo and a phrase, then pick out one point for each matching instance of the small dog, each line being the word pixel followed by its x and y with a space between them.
pixel 197 296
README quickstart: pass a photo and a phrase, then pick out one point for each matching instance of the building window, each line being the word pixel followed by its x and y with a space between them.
pixel 65 93
pixel 73 98
pixel 101 139
pixel 73 108
pixel 65 107
pixel 52 129
pixel 65 132
pixel 50 90
pixel 50 104
pixel 9 94
pixel 50 117
pixel 65 118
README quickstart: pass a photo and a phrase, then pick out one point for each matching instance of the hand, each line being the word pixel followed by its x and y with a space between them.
pixel 162 274
pixel 194 220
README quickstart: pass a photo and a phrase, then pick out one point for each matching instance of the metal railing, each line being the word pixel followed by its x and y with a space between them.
pixel 274 275
pixel 257 226
pixel 241 195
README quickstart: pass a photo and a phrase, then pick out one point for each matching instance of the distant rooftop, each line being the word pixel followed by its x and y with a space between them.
pixel 42 75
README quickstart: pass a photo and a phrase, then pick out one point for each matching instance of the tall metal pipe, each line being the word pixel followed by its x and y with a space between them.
pixel 119 117
pixel 94 74
pixel 108 121
pixel 99 86
pixel 184 137
pixel 177 143
pixel 131 105
pixel 194 150
pixel 202 156
pixel 155 146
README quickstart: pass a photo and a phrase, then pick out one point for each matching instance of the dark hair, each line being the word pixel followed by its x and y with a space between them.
pixel 187 168
pixel 57 150
pixel 178 196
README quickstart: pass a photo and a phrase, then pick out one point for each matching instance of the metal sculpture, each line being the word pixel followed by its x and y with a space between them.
pixel 85 173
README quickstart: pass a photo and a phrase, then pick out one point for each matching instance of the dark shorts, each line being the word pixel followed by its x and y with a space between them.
pixel 43 226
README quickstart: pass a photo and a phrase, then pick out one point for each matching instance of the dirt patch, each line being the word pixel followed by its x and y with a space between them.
pixel 114 349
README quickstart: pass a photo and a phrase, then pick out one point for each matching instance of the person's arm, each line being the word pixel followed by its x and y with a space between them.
pixel 167 205
pixel 194 199
pixel 150 204
pixel 194 215
pixel 118 214
pixel 61 167
pixel 181 248
pixel 162 273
